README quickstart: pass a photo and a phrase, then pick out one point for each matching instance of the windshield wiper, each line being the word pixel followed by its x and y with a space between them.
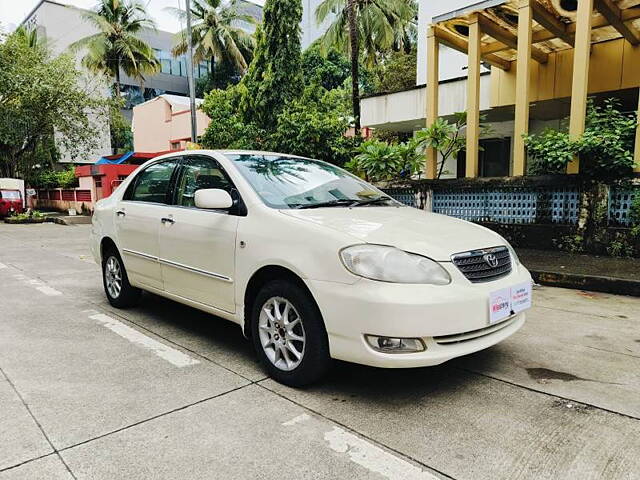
pixel 371 201
pixel 330 203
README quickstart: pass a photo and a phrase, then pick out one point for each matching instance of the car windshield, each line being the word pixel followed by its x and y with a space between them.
pixel 10 194
pixel 291 182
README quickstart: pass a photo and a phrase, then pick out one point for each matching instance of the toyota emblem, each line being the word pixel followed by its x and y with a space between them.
pixel 490 260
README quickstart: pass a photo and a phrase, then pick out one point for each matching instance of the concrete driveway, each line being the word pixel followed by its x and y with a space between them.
pixel 164 391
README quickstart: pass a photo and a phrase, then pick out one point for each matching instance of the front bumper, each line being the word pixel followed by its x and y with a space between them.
pixel 452 320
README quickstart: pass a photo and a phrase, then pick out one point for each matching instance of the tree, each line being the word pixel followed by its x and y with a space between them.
pixel 447 138
pixel 395 72
pixel 314 126
pixel 227 128
pixel 217 35
pixel 330 70
pixel 117 44
pixel 368 27
pixel 42 96
pixel 275 75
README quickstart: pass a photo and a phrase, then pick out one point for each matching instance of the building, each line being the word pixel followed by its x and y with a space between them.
pixel 524 64
pixel 311 31
pixel 62 25
pixel 164 123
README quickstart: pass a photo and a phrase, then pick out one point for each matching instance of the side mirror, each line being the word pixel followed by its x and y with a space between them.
pixel 213 199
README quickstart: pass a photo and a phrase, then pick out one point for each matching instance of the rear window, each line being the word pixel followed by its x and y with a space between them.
pixel 10 194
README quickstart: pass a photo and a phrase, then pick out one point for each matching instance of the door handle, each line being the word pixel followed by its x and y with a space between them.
pixel 120 213
pixel 167 220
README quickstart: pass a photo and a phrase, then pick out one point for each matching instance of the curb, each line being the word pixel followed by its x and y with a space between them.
pixel 618 286
pixel 75 220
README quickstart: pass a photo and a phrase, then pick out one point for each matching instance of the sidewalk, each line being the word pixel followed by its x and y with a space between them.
pixel 584 272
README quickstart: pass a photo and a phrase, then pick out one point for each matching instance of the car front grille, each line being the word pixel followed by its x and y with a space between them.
pixel 483 265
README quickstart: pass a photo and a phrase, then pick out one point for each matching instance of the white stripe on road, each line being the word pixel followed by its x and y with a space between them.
pixel 171 355
pixel 2 265
pixel 365 454
pixel 298 419
pixel 374 458
pixel 38 285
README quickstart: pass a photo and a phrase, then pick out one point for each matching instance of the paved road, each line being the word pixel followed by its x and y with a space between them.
pixel 164 391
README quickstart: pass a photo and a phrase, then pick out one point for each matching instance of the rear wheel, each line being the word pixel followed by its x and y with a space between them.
pixel 289 334
pixel 119 291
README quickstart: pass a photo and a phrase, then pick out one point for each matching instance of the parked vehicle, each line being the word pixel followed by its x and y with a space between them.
pixel 312 262
pixel 10 202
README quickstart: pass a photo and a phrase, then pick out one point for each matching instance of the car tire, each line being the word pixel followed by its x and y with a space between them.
pixel 116 284
pixel 297 317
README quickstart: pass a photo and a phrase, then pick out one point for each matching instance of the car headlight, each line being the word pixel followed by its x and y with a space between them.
pixel 390 264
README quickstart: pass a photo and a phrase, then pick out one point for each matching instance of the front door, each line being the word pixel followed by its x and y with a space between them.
pixel 197 247
pixel 138 219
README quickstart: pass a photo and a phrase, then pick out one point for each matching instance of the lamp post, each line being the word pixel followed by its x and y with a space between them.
pixel 192 91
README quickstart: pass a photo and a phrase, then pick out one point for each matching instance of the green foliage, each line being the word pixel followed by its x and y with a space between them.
pixel 330 70
pixel 314 126
pixel 549 152
pixel 227 128
pixel 40 95
pixel 120 129
pixel 381 26
pixel 55 179
pixel 396 72
pixel 447 138
pixel 218 37
pixel 605 149
pixel 570 243
pixel 620 246
pixel 275 75
pixel 634 209
pixel 225 74
pixel 117 45
pixel 381 161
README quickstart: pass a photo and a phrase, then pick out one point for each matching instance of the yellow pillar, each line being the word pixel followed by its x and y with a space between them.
pixel 580 75
pixel 433 50
pixel 521 124
pixel 636 152
pixel 473 99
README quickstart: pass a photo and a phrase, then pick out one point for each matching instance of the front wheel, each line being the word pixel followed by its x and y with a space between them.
pixel 289 335
pixel 119 291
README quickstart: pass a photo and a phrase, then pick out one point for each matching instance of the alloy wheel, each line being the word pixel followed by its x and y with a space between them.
pixel 281 333
pixel 113 277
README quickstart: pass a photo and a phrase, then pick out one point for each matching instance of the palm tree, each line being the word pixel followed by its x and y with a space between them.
pixel 30 37
pixel 369 27
pixel 216 34
pixel 117 45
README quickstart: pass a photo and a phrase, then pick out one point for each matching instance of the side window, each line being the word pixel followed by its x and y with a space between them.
pixel 199 173
pixel 152 185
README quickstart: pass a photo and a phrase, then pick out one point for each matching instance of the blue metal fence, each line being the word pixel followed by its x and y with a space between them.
pixel 515 205
pixel 620 201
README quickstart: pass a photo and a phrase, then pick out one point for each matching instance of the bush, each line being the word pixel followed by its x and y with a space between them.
pixel 605 149
pixel 549 152
pixel 56 179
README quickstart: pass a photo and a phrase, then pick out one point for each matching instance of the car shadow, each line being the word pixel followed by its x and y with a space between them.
pixel 219 339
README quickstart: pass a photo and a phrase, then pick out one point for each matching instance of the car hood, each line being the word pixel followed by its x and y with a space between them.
pixel 430 234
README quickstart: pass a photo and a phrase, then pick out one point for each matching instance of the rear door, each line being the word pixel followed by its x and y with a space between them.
pixel 138 219
pixel 197 247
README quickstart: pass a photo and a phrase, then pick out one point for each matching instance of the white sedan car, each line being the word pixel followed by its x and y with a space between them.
pixel 312 262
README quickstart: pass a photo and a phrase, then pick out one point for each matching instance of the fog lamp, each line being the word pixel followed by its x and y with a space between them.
pixel 395 345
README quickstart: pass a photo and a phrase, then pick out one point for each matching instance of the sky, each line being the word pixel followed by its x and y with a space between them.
pixel 12 12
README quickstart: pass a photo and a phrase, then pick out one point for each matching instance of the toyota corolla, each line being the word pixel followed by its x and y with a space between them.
pixel 312 262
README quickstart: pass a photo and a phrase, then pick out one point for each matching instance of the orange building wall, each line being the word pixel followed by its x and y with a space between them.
pixel 614 65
